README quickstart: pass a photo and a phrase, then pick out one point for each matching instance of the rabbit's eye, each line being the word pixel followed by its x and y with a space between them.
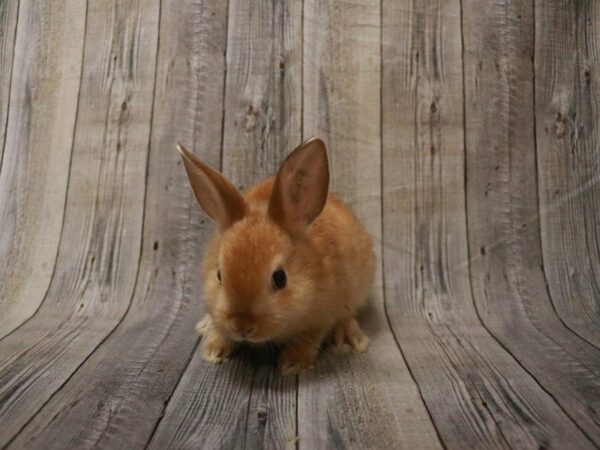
pixel 279 279
pixel 219 275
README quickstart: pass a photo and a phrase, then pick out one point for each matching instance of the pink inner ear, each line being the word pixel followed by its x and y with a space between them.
pixel 300 190
pixel 298 187
pixel 293 199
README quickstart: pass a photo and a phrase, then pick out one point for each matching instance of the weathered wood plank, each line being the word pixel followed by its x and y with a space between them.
pixel 367 400
pixel 92 369
pixel 117 397
pixel 567 84
pixel 263 116
pixel 249 403
pixel 506 263
pixel 210 411
pixel 39 138
pixel 478 395
pixel 271 419
pixel 9 13
pixel 99 253
pixel 263 94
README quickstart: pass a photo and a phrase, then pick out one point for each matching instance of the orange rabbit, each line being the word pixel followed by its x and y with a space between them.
pixel 289 264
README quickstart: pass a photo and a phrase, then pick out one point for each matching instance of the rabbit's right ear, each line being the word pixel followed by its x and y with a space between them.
pixel 300 188
pixel 216 195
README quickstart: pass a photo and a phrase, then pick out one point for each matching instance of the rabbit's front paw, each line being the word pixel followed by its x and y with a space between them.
pixel 293 362
pixel 204 326
pixel 348 337
pixel 216 348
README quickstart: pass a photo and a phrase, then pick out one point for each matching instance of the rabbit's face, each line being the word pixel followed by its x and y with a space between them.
pixel 256 288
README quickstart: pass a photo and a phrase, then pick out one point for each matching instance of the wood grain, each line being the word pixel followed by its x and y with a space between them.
pixel 263 101
pixel 40 122
pixel 263 117
pixel 469 377
pixel 367 400
pixel 249 403
pixel 503 212
pixel 567 111
pixel 9 14
pixel 463 134
pixel 117 397
pixel 100 247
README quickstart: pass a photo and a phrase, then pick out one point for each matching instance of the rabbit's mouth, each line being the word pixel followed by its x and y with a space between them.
pixel 252 336
pixel 255 340
pixel 252 339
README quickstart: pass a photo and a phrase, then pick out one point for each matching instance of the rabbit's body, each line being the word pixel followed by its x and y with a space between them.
pixel 293 266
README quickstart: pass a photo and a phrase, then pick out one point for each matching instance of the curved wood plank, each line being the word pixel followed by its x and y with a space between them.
pixel 567 115
pixel 367 400
pixel 263 100
pixel 437 156
pixel 506 261
pixel 118 395
pixel 9 13
pixel 263 116
pixel 39 140
pixel 478 395
pixel 249 403
pixel 100 247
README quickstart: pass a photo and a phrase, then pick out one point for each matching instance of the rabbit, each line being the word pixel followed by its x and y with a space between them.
pixel 289 264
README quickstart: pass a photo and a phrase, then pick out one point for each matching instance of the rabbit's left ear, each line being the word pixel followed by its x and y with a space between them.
pixel 216 195
pixel 300 189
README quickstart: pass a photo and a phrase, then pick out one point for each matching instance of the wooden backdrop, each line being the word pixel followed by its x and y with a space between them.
pixel 465 135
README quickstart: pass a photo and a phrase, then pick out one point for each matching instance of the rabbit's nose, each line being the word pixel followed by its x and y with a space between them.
pixel 247 331
pixel 243 327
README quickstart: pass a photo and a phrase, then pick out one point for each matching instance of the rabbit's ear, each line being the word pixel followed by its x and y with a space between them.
pixel 300 189
pixel 219 199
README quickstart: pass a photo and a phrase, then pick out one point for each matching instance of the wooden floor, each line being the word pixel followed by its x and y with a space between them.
pixel 464 133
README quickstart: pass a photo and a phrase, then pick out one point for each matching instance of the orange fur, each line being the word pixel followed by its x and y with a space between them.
pixel 330 267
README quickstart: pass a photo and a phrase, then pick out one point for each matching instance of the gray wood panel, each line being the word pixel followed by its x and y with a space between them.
pixel 466 376
pixel 9 14
pixel 100 247
pixel 367 400
pixel 117 397
pixel 506 262
pixel 263 100
pixel 462 133
pixel 40 122
pixel 567 112
pixel 263 113
pixel 249 403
